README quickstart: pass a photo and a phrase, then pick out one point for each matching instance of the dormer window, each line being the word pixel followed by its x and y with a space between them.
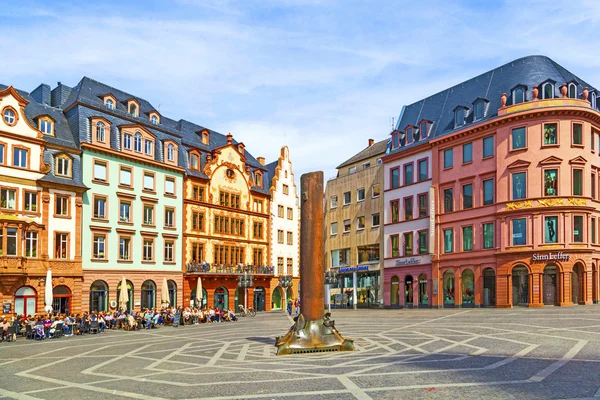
pixel 46 126
pixel 194 161
pixel 478 110
pixel 109 104
pixel 258 179
pixel 133 110
pixel 459 116
pixel 137 142
pixel 593 100
pixel 409 134
pixel 63 166
pixel 241 148
pixel 548 90
pixel 205 137
pixel 423 129
pixel 154 118
pixel 572 90
pixel 170 152
pixel 518 95
pixel 148 147
pixel 395 139
pixel 100 132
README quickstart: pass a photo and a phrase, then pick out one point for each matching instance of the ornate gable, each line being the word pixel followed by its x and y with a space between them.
pixel 519 164
pixel 552 160
pixel 578 160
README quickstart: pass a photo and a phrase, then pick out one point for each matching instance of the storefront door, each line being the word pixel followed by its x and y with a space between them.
pixel 259 298
pixel 549 288
pixel 520 286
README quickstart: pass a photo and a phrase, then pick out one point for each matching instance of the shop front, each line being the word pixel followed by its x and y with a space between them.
pixel 358 285
pixel 408 282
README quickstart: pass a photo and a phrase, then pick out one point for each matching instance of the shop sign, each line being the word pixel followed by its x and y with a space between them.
pixel 409 261
pixel 431 220
pixel 6 307
pixel 358 268
pixel 558 256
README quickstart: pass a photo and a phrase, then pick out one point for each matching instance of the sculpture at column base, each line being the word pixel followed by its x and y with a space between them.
pixel 312 337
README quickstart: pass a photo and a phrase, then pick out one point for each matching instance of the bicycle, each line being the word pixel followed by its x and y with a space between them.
pixel 246 312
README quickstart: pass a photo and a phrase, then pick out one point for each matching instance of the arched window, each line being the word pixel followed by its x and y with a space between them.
pixel 478 110
pixel 100 132
pixel 133 109
pixel 548 91
pixel 25 301
pixel 61 299
pixel 109 104
pixel 258 179
pixel 172 292
pixel 170 152
pixel 194 161
pixel 137 142
pixel 129 305
pixel 148 294
pixel 154 120
pixel 572 91
pixel 63 165
pixel 99 296
pixel 518 96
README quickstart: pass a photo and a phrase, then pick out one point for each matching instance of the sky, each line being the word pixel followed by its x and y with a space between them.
pixel 320 76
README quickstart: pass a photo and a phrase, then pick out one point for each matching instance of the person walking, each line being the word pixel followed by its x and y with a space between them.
pixel 289 307
pixel 297 305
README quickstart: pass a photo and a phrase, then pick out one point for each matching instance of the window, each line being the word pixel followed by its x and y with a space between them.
pixel 360 223
pixel 408 244
pixel 550 134
pixel 519 138
pixel 578 134
pixel 148 214
pixel 375 220
pixel 137 142
pixel 422 166
pixel 395 245
pixel 344 257
pixel 422 205
pixel 197 252
pixel 280 236
pixel 149 181
pixel 518 96
pixel 286 189
pixel 1 154
pixel 61 206
pixel 99 171
pixel 422 242
pixel 31 240
pixel 368 254
pixel 593 100
pixel 127 141
pixel 170 152
pixel 290 238
pixel 551 182
pixel 229 199
pixel 46 127
pixel 148 250
pixel 334 228
pixel 448 158
pixel 395 177
pixel 488 147
pixel 351 170
pixel 154 120
pixel 100 134
pixel 547 91
pixel 109 104
pixel 8 199
pixel 448 200
pixel 448 241
pixel 148 147
pixel 488 192
pixel 198 221
pixel 170 186
pixel 395 210
pixel 366 165
pixel 578 229
pixel 258 179
pixel 347 198
pixel 11 241
pixel 20 157
pixel 347 226
pixel 99 250
pixel 467 237
pixel 257 257
pixel 194 161
pixel 290 213
pixel 61 242
pixel 124 248
pixel 169 251
pixel 133 109
pixel 593 230
pixel 467 196
pixel 423 129
pixel 550 229
pixel 63 166
pixel 478 110
pixel 360 194
pixel 408 174
pixel 333 201
pixel 280 211
pixel 572 91
pixel 519 232
pixel 577 182
pixel 408 208
pixel 197 193
pixel 488 235
pixel 519 185
pixel 125 211
pixel 125 177
pixel 593 186
pixel 100 207
pixel 31 201
pixel 375 190
pixel 10 116
pixel 459 117
pixel 205 137
pixel 467 153
pixel 169 217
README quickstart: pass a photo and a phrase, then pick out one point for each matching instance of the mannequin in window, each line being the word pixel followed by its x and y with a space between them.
pixel 518 187
pixel 551 230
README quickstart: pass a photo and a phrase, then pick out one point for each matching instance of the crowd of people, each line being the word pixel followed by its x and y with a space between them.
pixel 54 324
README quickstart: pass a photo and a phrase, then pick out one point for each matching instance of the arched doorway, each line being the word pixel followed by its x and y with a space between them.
pixel 520 285
pixel 394 300
pixel 577 284
pixel 61 299
pixel 148 294
pixel 289 294
pixel 489 287
pixel 423 296
pixel 549 285
pixel 129 294
pixel 221 298
pixel 239 297
pixel 448 284
pixel 468 288
pixel 25 301
pixel 594 283
pixel 204 300
pixel 259 298
pixel 172 292
pixel 277 298
pixel 99 296
pixel 408 291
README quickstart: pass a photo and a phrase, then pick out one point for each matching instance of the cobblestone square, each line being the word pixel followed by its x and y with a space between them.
pixel 447 354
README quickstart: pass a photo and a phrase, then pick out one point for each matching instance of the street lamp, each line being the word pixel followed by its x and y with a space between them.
pixel 246 281
pixel 331 278
pixel 285 281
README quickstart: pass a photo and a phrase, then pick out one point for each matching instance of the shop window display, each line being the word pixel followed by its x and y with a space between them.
pixel 468 287
pixel 550 182
pixel 448 287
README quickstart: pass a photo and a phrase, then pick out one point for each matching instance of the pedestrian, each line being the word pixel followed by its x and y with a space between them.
pixel 297 305
pixel 289 307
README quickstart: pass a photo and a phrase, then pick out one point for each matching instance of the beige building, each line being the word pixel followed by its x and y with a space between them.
pixel 353 205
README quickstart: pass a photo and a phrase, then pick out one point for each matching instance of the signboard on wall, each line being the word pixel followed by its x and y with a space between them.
pixel 431 220
pixel 6 307
pixel 358 268
pixel 409 261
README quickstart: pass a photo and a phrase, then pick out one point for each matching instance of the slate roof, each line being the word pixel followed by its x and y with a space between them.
pixel 271 171
pixel 528 71
pixel 370 151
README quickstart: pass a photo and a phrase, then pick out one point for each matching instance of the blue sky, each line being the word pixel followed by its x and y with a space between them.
pixel 321 76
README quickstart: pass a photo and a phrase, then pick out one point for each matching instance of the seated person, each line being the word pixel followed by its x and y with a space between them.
pixel 4 329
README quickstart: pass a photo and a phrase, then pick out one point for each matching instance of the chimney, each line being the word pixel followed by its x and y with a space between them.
pixel 42 94
pixel 261 160
pixel 60 95
pixel 371 142
pixel 229 138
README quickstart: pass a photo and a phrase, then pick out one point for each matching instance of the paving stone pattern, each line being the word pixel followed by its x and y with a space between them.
pixel 549 353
